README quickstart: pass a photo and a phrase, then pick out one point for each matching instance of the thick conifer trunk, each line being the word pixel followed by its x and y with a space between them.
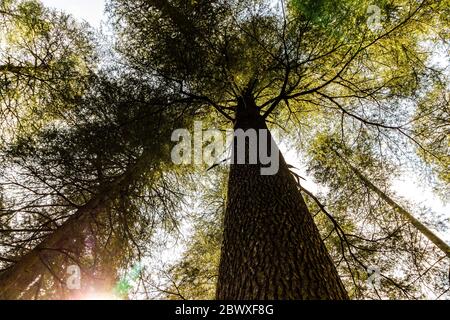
pixel 272 248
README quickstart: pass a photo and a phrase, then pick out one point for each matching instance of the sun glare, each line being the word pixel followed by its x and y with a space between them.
pixel 99 296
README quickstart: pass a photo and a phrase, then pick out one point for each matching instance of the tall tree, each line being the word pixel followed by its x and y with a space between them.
pixel 252 63
pixel 89 181
pixel 445 248
pixel 82 157
pixel 87 174
pixel 271 248
pixel 367 226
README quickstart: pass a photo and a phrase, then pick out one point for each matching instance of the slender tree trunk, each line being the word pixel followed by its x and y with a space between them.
pixel 272 248
pixel 430 235
pixel 15 280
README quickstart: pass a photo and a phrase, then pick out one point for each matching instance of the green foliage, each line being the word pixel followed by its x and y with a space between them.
pixel 80 157
pixel 357 209
pixel 194 277
pixel 331 16
pixel 45 63
pixel 432 129
pixel 71 127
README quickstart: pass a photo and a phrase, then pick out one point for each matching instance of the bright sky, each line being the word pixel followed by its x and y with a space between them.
pixel 406 187
pixel 87 10
pixel 92 12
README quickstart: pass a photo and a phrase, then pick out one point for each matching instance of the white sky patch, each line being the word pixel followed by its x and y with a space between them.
pixel 91 11
pixel 407 187
pixel 293 158
pixel 3 45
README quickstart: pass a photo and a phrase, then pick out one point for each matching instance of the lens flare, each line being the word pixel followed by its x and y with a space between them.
pixel 99 296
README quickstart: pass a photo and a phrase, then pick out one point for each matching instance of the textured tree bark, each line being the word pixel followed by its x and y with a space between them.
pixel 15 280
pixel 272 248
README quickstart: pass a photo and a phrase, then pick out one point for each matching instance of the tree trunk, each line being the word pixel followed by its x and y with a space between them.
pixel 430 235
pixel 272 248
pixel 15 280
